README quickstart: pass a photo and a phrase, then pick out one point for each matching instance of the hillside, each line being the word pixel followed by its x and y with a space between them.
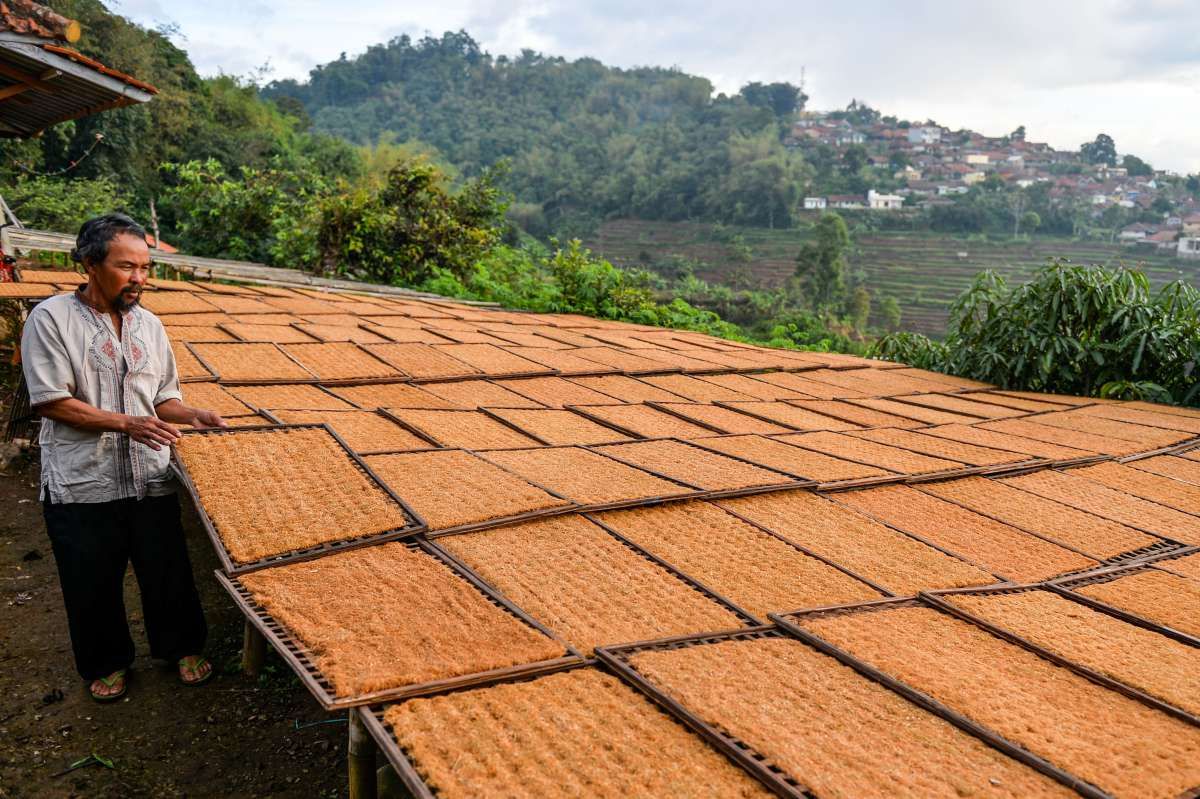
pixel 585 140
pixel 924 272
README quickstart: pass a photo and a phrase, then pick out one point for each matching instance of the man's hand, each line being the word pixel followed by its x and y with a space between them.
pixel 151 431
pixel 207 419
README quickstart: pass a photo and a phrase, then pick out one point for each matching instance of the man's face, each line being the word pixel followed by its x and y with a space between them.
pixel 120 278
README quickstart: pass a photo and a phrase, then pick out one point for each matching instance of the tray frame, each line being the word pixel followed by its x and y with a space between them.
pixel 773 777
pixel 1065 586
pixel 787 622
pixel 417 526
pixel 936 599
pixel 300 660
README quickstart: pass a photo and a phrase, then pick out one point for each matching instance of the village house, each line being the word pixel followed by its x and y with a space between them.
pixel 884 202
pixel 815 203
pixel 1188 247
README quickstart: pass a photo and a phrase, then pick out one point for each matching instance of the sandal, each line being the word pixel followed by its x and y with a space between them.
pixel 109 682
pixel 198 662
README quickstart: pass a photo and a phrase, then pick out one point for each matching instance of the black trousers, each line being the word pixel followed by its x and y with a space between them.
pixel 93 543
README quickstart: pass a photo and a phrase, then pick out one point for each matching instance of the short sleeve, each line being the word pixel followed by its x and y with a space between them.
pixel 168 384
pixel 45 360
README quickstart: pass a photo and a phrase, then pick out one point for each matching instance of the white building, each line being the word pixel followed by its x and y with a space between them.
pixel 815 203
pixel 1189 247
pixel 884 202
pixel 924 135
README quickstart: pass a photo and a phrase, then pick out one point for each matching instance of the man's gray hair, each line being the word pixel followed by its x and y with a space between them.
pixel 91 245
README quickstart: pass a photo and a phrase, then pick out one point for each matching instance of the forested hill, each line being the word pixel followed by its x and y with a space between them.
pixel 583 139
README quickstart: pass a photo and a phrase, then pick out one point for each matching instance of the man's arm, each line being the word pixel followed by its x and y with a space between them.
pixel 176 412
pixel 149 430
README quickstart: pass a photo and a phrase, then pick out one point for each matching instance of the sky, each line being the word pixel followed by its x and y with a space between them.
pixel 1065 69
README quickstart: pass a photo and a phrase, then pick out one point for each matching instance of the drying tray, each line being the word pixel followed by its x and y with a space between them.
pixel 300 659
pixel 381 412
pixel 1066 587
pixel 617 659
pixel 899 477
pixel 693 492
pixel 1184 446
pixel 787 622
pixel 804 481
pixel 936 599
pixel 372 718
pixel 722 493
pixel 416 526
pixel 266 381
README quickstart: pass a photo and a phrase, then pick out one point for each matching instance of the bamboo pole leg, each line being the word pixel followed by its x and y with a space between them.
pixel 389 784
pixel 254 650
pixel 360 759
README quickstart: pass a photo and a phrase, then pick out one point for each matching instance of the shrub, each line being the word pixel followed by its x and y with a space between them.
pixel 1074 330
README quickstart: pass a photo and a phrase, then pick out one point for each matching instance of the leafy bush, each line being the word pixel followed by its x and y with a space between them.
pixel 60 204
pixel 1073 330
pixel 412 226
pixel 262 215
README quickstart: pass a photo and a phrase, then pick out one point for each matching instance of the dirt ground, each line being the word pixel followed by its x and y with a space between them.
pixel 231 737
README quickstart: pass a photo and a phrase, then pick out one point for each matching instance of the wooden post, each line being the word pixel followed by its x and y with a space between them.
pixel 360 758
pixel 254 650
pixel 389 784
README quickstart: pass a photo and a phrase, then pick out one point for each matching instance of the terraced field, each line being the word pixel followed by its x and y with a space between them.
pixel 924 272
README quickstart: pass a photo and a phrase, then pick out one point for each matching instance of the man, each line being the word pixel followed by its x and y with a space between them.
pixel 102 376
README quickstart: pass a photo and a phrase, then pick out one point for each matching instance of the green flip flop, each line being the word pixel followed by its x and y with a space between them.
pixel 194 668
pixel 109 682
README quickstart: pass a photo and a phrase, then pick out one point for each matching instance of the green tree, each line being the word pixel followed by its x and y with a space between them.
pixel 821 263
pixel 1100 151
pixel 1136 167
pixel 889 308
pixel 860 308
pixel 411 226
pixel 783 99
pixel 1031 221
pixel 854 158
pixel 1072 329
pixel 62 204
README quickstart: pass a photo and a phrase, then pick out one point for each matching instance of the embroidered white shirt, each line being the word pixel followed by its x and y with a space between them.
pixel 69 349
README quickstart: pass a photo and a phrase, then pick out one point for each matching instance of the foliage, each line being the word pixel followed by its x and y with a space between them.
pixel 783 99
pixel 261 215
pixel 57 204
pixel 409 227
pixel 1136 167
pixel 821 264
pixel 586 141
pixel 191 119
pixel 1074 330
pixel 571 280
pixel 1101 151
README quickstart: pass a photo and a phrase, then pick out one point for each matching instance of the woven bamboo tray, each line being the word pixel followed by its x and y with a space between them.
pixel 713 461
pixel 664 583
pixel 511 461
pixel 416 525
pixel 873 476
pixel 301 661
pixel 790 623
pixel 372 718
pixel 562 506
pixel 1068 587
pixel 298 374
pixel 617 658
pixel 745 615
pixel 937 599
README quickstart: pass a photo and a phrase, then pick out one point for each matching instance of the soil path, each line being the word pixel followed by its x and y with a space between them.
pixel 231 737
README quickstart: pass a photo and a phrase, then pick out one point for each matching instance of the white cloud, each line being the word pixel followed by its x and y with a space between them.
pixel 1066 69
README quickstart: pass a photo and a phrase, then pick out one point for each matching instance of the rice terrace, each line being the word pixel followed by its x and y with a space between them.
pixel 924 272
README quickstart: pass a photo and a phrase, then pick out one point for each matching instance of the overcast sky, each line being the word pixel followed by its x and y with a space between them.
pixel 1066 69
